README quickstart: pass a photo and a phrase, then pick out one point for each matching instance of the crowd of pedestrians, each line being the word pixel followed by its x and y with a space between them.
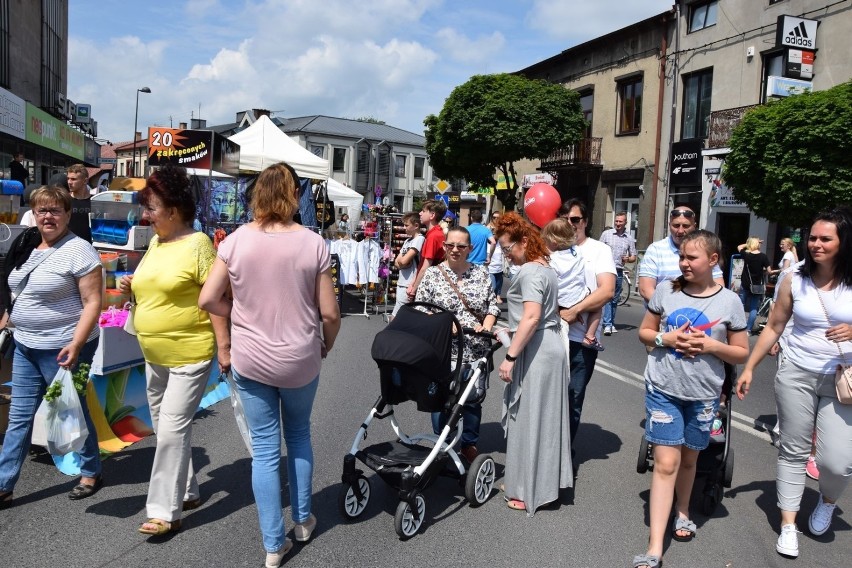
pixel 263 308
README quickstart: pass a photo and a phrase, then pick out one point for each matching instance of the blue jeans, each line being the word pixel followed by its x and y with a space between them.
pixel 610 307
pixel 496 282
pixel 670 421
pixel 471 418
pixel 266 408
pixel 751 303
pixel 582 364
pixel 32 371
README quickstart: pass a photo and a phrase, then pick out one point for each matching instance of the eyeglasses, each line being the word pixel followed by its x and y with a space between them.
pixel 53 212
pixel 452 246
pixel 682 213
pixel 575 220
pixel 508 248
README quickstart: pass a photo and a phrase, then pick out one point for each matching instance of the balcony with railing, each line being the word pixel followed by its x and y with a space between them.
pixel 586 152
pixel 722 123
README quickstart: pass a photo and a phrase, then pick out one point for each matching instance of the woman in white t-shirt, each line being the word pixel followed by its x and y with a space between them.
pixel 818 296
pixel 788 247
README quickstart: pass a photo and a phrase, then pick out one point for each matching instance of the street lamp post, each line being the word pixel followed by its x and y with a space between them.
pixel 136 125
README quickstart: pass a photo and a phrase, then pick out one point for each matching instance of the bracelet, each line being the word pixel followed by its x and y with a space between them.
pixel 510 358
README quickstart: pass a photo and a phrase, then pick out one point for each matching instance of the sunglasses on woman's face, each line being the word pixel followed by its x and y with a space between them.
pixel 451 246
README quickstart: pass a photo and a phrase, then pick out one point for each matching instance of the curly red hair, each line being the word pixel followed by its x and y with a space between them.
pixel 517 228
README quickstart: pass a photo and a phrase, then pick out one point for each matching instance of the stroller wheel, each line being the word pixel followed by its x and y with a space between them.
pixel 729 469
pixel 644 453
pixel 347 501
pixel 480 480
pixel 404 522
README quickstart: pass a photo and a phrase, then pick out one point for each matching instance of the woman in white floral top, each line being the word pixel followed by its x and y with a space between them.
pixel 442 285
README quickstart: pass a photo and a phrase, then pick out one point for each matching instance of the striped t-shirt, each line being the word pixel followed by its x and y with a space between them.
pixel 48 309
pixel 662 262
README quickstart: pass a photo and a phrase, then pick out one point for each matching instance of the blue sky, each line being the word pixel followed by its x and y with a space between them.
pixel 395 60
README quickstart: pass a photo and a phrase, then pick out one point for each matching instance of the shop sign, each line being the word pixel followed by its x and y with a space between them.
pixel 198 149
pixel 532 179
pixel 501 182
pixel 800 64
pixel 49 132
pixel 784 87
pixel 13 115
pixel 472 189
pixel 449 197
pixel 796 32
pixel 686 162
pixel 722 195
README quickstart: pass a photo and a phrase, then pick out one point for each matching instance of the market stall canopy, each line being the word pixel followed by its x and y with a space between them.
pixel 263 144
pixel 345 197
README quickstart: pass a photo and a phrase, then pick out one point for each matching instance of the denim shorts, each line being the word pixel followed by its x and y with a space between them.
pixel 670 421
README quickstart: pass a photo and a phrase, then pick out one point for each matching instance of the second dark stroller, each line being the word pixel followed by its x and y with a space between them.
pixel 414 357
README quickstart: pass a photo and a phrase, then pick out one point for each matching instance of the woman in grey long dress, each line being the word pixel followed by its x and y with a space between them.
pixel 535 401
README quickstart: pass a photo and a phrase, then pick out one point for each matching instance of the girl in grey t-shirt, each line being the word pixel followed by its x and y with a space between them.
pixel 695 326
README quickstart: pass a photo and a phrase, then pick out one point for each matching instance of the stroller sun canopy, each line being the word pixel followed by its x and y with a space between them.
pixel 416 338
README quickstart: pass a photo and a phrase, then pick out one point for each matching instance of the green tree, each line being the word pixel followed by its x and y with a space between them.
pixel 792 158
pixel 492 121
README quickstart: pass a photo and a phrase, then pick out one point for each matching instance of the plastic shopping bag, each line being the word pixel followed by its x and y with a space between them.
pixel 239 413
pixel 64 421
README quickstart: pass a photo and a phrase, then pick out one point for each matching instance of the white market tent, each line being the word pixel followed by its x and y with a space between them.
pixel 345 197
pixel 263 144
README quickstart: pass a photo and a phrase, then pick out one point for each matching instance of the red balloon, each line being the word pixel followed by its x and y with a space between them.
pixel 541 203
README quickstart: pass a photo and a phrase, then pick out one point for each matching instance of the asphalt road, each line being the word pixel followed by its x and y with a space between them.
pixel 601 522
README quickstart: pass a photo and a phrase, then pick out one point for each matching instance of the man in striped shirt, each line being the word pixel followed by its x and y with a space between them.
pixel 662 259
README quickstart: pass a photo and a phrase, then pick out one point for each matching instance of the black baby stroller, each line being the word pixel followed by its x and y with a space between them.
pixel 716 461
pixel 414 356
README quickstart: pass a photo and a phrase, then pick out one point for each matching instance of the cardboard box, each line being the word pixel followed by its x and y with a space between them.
pixel 117 350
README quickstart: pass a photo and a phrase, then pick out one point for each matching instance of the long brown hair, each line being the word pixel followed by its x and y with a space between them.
pixel 275 195
pixel 517 228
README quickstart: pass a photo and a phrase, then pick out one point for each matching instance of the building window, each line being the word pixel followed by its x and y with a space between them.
pixel 419 167
pixel 399 166
pixel 697 91
pixel 630 105
pixel 54 40
pixel 587 102
pixel 773 66
pixel 339 161
pixel 702 16
pixel 318 150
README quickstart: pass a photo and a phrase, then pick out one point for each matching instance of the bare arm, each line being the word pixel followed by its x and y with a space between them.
pixel 647 285
pixel 90 287
pixel 213 297
pixel 328 308
pixel 779 315
pixel 412 288
pixel 406 259
pixel 526 328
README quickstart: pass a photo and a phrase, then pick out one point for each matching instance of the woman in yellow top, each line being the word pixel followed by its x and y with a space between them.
pixel 177 339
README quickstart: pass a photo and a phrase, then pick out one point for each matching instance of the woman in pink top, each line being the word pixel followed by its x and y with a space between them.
pixel 278 273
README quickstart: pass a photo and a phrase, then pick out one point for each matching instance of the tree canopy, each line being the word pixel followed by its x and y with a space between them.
pixel 491 121
pixel 791 159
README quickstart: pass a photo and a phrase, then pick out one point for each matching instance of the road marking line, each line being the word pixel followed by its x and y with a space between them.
pixel 739 421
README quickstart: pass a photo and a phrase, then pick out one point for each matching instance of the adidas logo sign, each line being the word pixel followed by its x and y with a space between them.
pixel 798 37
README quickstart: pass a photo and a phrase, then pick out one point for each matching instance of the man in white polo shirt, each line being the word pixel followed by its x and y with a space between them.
pixel 662 259
pixel 600 279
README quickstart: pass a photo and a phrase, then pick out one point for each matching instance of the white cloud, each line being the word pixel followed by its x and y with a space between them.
pixel 466 50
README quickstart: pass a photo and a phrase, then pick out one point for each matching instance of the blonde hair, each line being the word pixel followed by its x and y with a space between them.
pixel 50 195
pixel 791 246
pixel 752 244
pixel 559 233
pixel 275 195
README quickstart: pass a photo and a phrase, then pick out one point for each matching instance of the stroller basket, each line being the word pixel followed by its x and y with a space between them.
pixel 413 354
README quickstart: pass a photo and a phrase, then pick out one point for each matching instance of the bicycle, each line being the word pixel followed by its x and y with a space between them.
pixel 626 286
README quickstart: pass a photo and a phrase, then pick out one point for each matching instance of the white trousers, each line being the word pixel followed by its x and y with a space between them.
pixel 174 394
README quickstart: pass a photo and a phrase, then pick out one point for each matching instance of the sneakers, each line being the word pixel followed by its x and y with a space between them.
pixel 303 531
pixel 788 541
pixel 607 330
pixel 811 468
pixel 821 517
pixel 275 559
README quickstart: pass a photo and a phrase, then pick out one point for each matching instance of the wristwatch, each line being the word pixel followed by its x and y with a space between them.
pixel 510 358
pixel 658 341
